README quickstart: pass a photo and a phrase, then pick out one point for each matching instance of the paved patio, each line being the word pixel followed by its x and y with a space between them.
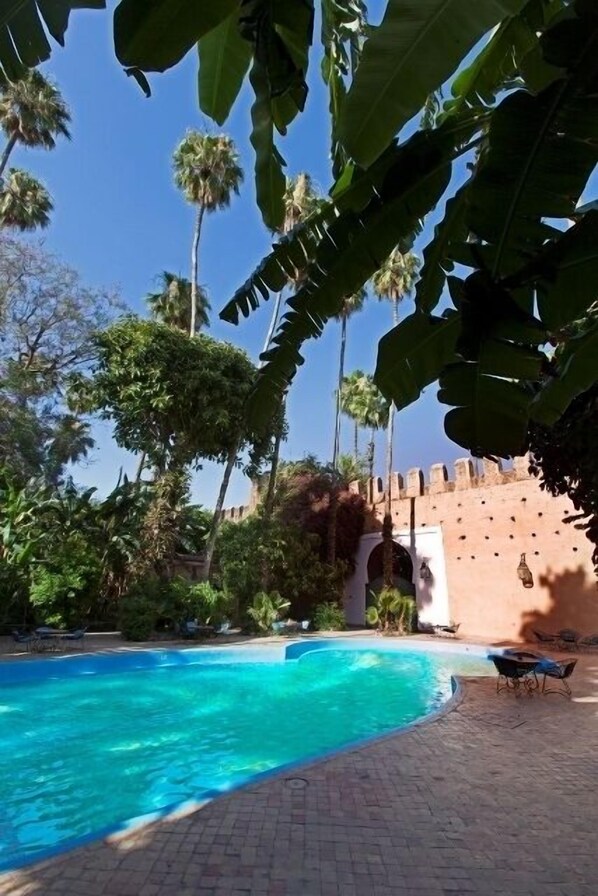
pixel 496 797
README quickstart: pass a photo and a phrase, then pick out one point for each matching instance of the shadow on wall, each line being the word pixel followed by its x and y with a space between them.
pixel 573 604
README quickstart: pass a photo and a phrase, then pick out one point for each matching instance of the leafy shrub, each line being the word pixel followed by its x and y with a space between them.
pixel 392 610
pixel 256 555
pixel 65 586
pixel 329 617
pixel 139 610
pixel 267 609
pixel 182 599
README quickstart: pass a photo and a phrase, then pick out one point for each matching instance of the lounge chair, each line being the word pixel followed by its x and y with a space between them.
pixel 514 673
pixel 545 637
pixel 588 642
pixel 23 638
pixel 568 639
pixel 447 631
pixel 560 670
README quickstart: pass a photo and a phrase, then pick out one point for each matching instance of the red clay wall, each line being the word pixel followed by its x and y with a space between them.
pixel 487 523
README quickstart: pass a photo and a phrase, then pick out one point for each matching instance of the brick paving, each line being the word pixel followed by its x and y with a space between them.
pixel 498 796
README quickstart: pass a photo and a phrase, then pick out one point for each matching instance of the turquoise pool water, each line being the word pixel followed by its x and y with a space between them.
pixel 82 753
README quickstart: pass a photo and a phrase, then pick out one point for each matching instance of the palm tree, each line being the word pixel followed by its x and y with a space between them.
pixel 351 404
pixel 392 282
pixel 171 304
pixel 32 113
pixel 365 404
pixel 351 304
pixel 25 204
pixel 207 170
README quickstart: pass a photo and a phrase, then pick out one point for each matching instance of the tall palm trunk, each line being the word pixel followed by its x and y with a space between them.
pixel 370 461
pixel 7 151
pixel 230 465
pixel 269 499
pixel 341 371
pixel 356 441
pixel 194 267
pixel 387 551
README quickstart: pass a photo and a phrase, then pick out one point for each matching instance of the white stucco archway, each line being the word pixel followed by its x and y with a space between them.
pixel 431 596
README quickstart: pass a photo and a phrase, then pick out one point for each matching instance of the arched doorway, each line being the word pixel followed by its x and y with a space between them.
pixel 402 571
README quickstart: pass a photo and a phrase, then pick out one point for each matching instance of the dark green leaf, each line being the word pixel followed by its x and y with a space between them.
pixel 154 35
pixel 269 177
pixel 541 151
pixel 437 261
pixel 353 245
pixel 23 41
pixel 415 49
pixel 490 414
pixel 577 372
pixel 568 282
pixel 224 58
pixel 414 354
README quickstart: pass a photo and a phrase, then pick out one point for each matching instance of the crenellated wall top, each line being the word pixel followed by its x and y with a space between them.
pixel 466 475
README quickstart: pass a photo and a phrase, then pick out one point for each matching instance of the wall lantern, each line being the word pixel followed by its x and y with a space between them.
pixel 425 572
pixel 525 573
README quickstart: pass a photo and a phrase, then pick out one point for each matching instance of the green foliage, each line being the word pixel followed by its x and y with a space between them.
pixel 182 599
pixel 329 617
pixel 392 610
pixel 523 112
pixel 23 38
pixel 267 609
pixel 564 455
pixel 65 585
pixel 179 400
pixel 258 555
pixel 139 609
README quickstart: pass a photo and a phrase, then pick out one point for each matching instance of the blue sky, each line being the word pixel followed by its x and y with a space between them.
pixel 120 221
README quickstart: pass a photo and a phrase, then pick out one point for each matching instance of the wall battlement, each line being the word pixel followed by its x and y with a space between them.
pixel 414 485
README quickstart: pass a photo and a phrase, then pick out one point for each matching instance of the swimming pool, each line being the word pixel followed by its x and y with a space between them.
pixel 89 743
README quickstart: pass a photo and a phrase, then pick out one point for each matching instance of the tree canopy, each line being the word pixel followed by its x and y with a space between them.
pixel 178 400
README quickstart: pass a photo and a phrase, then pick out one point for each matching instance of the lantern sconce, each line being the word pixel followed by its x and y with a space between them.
pixel 425 573
pixel 525 573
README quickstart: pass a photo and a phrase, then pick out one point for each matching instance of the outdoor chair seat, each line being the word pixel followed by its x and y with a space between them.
pixel 560 671
pixel 515 672
pixel 23 638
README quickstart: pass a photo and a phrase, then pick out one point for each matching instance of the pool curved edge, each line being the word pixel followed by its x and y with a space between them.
pixel 187 807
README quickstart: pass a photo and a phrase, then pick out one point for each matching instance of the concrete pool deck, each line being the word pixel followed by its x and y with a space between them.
pixel 496 797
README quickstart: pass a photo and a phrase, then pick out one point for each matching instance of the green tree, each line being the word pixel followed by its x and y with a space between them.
pixel 207 170
pixel 25 204
pixel 365 404
pixel 47 317
pixel 178 400
pixel 32 114
pixel 351 305
pixel 171 304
